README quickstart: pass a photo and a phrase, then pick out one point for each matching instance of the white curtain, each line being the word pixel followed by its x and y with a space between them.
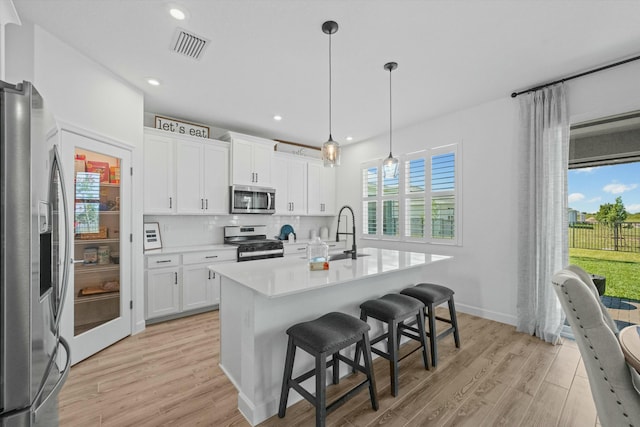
pixel 543 250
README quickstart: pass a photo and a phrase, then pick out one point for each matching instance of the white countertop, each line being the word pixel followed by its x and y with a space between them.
pixel 276 277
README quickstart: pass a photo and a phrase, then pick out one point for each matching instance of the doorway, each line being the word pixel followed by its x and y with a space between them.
pixel 98 305
pixel 603 179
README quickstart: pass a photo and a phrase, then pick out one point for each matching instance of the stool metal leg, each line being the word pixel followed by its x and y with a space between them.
pixel 423 338
pixel 368 364
pixel 454 321
pixel 432 333
pixel 392 349
pixel 288 369
pixel 321 389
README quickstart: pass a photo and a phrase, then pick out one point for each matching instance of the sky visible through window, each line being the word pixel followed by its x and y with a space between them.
pixel 594 186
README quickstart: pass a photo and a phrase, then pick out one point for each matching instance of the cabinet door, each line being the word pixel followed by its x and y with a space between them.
pixel 189 177
pixel 297 186
pixel 242 163
pixel 328 191
pixel 163 296
pixel 321 190
pixel 216 179
pixel 196 286
pixel 280 177
pixel 159 196
pixel 262 155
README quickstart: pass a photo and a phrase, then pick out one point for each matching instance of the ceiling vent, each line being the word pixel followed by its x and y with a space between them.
pixel 189 44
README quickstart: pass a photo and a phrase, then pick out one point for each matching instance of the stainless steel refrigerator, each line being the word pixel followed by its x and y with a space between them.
pixel 34 358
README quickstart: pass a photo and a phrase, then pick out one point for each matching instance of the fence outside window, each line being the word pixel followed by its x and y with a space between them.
pixel 626 238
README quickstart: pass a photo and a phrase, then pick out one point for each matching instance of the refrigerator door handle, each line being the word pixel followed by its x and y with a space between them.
pixel 58 386
pixel 67 242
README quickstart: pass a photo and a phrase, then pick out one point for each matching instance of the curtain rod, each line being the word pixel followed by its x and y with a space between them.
pixel 605 67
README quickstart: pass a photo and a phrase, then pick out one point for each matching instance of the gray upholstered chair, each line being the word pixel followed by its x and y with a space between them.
pixel 611 379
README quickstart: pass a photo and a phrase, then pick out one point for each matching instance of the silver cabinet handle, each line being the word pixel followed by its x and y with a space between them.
pixel 175 278
pixel 170 202
pixel 206 206
pixel 302 249
pixel 211 256
pixel 214 274
pixel 201 203
pixel 256 176
pixel 209 274
pixel 162 261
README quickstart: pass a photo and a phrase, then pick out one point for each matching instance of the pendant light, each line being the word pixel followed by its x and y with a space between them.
pixel 390 165
pixel 330 149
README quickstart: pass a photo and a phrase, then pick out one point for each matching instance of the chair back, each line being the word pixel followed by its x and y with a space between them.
pixel 610 378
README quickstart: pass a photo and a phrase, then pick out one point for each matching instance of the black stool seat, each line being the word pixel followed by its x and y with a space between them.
pixel 429 293
pixel 394 309
pixel 391 306
pixel 329 332
pixel 433 295
pixel 322 337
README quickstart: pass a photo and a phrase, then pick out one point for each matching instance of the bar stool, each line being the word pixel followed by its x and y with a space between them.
pixel 433 295
pixel 323 337
pixel 394 309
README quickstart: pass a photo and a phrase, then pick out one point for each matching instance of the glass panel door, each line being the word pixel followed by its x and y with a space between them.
pixel 96 227
pixel 97 310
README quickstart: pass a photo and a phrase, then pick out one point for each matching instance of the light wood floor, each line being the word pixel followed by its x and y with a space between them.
pixel 169 375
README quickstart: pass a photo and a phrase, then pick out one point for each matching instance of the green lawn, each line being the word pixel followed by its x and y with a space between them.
pixel 622 270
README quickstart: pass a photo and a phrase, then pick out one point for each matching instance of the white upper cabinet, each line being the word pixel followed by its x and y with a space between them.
pixel 251 159
pixel 321 193
pixel 290 181
pixel 185 175
pixel 159 185
pixel 201 177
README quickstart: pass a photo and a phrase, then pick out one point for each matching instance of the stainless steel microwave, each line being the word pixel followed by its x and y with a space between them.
pixel 247 199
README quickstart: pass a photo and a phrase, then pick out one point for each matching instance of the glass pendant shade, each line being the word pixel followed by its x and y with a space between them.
pixel 390 167
pixel 331 153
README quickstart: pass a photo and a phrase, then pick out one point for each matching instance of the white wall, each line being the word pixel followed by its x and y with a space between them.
pixel 87 96
pixel 484 270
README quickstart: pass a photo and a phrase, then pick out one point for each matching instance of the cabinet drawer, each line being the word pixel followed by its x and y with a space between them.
pixel 159 261
pixel 337 246
pixel 295 248
pixel 209 256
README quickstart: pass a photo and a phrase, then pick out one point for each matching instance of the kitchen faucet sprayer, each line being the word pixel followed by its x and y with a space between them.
pixel 353 233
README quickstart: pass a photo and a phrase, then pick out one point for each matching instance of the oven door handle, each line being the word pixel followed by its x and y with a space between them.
pixel 269 201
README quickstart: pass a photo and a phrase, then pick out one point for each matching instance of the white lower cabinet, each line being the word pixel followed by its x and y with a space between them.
pixel 178 284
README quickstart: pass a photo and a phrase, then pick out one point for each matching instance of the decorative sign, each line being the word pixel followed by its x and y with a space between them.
pixel 152 236
pixel 181 127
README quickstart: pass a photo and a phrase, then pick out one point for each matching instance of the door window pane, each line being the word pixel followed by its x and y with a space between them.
pixel 443 217
pixel 390 218
pixel 414 226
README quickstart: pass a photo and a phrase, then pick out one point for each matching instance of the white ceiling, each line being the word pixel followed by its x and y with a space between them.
pixel 270 57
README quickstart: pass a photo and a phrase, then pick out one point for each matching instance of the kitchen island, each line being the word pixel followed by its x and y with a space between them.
pixel 261 299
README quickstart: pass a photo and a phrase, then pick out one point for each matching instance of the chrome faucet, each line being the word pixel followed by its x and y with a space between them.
pixel 353 233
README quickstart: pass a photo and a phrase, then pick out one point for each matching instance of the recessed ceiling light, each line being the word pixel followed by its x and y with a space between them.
pixel 349 138
pixel 177 13
pixel 277 118
pixel 153 82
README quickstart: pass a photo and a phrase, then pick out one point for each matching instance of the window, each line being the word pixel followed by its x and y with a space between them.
pixel 421 205
pixel 87 205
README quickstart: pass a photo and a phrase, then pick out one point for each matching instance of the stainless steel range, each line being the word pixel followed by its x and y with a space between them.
pixel 252 242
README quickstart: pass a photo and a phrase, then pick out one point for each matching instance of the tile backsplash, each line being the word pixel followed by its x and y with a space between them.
pixel 195 230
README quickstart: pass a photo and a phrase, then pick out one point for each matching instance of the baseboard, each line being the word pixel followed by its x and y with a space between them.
pixel 508 319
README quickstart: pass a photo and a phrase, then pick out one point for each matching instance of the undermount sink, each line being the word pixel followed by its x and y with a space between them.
pixel 337 257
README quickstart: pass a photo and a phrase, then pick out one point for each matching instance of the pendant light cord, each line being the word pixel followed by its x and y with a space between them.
pixel 330 137
pixel 390 127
